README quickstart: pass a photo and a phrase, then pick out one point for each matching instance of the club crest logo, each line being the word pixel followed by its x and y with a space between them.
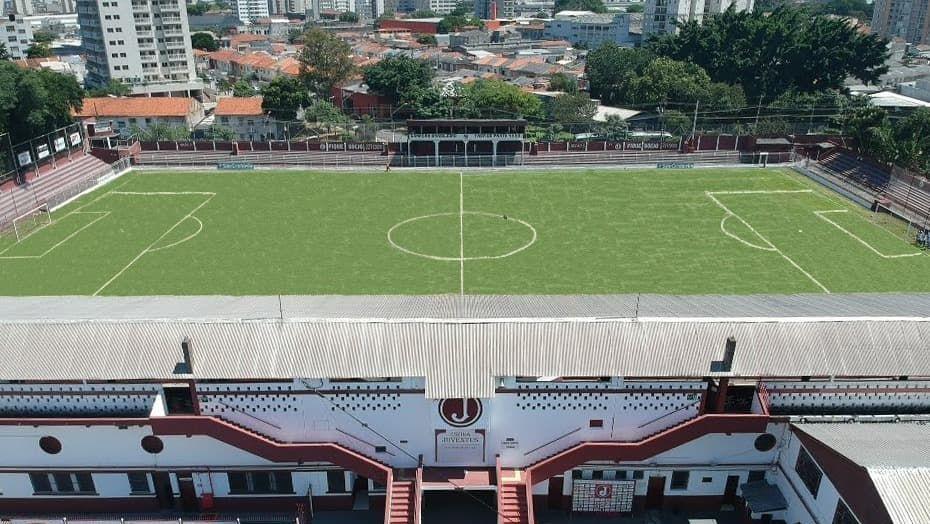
pixel 460 413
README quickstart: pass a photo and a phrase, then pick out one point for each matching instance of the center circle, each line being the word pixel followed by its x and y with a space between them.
pixel 508 234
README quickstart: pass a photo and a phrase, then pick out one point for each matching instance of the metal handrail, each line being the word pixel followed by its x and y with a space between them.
pixel 240 410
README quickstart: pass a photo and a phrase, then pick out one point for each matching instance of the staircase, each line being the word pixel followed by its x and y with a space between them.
pixel 402 503
pixel 268 448
pixel 512 504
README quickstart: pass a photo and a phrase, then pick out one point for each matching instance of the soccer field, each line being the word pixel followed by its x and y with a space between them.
pixel 731 231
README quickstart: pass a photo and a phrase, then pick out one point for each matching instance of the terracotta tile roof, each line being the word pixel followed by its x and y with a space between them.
pixel 225 55
pixel 232 106
pixel 289 66
pixel 200 52
pixel 136 107
pixel 246 38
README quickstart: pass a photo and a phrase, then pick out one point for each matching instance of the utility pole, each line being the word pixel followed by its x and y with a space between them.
pixel 755 127
pixel 697 104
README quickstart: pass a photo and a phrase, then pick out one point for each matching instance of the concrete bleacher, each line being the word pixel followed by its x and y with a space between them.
pixel 859 172
pixel 51 187
pixel 346 159
pixel 633 157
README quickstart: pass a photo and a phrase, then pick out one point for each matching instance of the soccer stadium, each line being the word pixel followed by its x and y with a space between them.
pixel 464 327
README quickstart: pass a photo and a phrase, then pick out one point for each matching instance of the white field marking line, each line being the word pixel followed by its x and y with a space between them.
pixel 761 192
pixel 860 240
pixel 711 194
pixel 157 240
pixel 163 193
pixel 461 234
pixel 737 238
pixel 183 240
pixel 75 212
pixel 103 214
pixel 402 223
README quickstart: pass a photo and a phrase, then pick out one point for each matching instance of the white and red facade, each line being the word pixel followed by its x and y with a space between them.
pixel 296 446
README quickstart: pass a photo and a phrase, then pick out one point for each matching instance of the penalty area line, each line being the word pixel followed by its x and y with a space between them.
pixel 157 240
pixel 710 194
pixel 822 214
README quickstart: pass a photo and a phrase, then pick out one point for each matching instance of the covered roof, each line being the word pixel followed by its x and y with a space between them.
pixel 136 107
pixel 239 106
pixel 461 345
pixel 892 99
pixel 896 457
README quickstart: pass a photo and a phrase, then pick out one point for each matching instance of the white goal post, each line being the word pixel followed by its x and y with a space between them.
pixel 32 221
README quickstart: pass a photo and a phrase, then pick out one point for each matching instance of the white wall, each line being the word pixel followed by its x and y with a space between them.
pixel 822 507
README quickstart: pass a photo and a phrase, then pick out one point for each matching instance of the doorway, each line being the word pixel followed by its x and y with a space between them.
pixel 179 400
pixel 360 497
pixel 163 492
pixel 554 497
pixel 729 493
pixel 655 494
pixel 188 493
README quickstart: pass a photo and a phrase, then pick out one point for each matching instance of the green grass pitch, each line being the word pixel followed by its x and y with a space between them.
pixel 595 231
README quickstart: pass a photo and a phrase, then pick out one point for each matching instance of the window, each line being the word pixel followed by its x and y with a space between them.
pixel 843 515
pixel 260 482
pixel 139 482
pixel 576 474
pixel 62 483
pixel 756 476
pixel 638 474
pixel 620 475
pixel 597 474
pixel 707 480
pixel 680 480
pixel 808 471
pixel 335 481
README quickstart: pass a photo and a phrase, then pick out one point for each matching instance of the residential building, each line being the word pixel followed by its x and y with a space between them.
pixel 440 7
pixel 245 117
pixel 664 16
pixel 124 116
pixel 23 7
pixel 906 19
pixel 494 9
pixel 251 10
pixel 799 409
pixel 16 35
pixel 144 44
pixel 591 29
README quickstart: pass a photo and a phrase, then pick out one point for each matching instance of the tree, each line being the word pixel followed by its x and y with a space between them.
pixel 204 41
pixel 613 128
pixel 636 77
pixel 4 53
pixel 452 23
pixel 398 77
pixel 284 96
pixel 197 9
pixel 563 82
pixel 218 132
pixel 39 50
pixel 322 117
pixel 596 6
pixel 324 61
pixel 427 40
pixel 636 8
pixel 499 99
pixel 44 36
pixel 243 89
pixel 113 88
pixel 160 131
pixel 769 54
pixel 348 17
pixel 35 102
pixel 572 108
pixel 423 13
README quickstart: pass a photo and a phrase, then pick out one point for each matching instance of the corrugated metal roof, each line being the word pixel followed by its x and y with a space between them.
pixel 876 445
pixel 462 344
pixel 905 493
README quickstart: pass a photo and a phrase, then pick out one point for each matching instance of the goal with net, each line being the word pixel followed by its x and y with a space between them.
pixel 29 222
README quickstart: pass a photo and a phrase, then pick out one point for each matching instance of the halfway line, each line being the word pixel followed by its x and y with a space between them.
pixel 461 233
